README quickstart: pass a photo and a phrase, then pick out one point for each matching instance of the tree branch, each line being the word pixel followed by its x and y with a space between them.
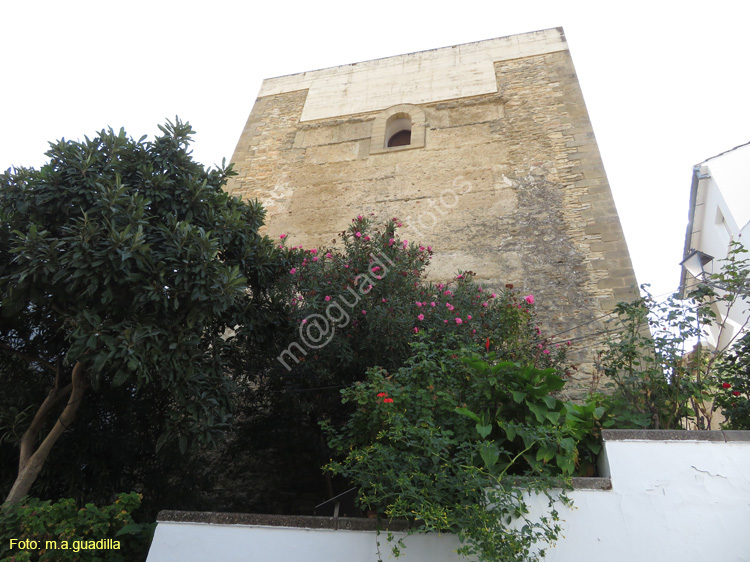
pixel 10 351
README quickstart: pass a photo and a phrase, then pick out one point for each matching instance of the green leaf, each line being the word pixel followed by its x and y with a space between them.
pixel 484 430
pixel 518 396
pixel 537 410
pixel 490 453
pixel 130 529
pixel 468 413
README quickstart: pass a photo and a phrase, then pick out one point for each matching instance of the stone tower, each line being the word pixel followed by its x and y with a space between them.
pixel 485 151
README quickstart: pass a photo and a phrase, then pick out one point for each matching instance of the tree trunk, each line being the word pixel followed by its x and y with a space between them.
pixel 29 465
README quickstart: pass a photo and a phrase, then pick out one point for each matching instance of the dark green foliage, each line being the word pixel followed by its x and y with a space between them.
pixel 733 388
pixel 649 381
pixel 127 258
pixel 444 440
pixel 282 408
pixel 658 372
pixel 61 521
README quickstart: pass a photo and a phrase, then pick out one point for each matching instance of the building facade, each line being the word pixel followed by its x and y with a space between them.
pixel 717 219
pixel 484 151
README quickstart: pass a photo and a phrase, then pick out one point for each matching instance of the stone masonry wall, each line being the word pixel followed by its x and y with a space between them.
pixel 509 184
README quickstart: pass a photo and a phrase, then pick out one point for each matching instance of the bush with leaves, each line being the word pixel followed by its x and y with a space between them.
pixel 371 299
pixel 658 373
pixel 444 440
pixel 369 296
pixel 60 532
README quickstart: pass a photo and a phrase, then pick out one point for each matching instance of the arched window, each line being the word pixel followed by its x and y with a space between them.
pixel 398 128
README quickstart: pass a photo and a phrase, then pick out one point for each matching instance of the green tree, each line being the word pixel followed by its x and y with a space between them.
pixel 126 270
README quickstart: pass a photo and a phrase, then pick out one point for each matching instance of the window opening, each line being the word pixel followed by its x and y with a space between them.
pixel 402 138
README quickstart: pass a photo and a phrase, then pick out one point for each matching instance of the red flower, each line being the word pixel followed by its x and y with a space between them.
pixel 487 345
pixel 381 394
pixel 726 385
pixel 387 400
pixel 736 393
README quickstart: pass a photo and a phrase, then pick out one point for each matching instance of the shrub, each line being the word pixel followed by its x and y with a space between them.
pixel 443 440
pixel 59 531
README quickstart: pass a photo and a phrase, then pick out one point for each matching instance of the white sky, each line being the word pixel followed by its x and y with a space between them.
pixel 666 83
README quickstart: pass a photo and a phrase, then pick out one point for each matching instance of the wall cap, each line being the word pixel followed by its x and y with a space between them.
pixel 319 522
pixel 673 435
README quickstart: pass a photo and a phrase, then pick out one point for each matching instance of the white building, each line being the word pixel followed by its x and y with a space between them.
pixel 718 217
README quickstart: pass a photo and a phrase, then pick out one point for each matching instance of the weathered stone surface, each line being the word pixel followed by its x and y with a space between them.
pixel 509 183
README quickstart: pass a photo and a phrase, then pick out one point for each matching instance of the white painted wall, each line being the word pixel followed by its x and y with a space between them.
pixel 670 501
pixel 680 501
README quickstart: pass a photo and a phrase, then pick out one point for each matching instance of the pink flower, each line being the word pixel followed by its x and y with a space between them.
pixel 459 276
pixel 391 241
pixel 364 312
pixel 429 248
pixel 313 251
pixel 282 236
pixel 529 299
pixel 329 255
pixel 447 293
pixel 432 304
pixel 399 224
pixel 468 316
pixel 405 243
pixel 421 248
pixel 485 304
pixel 293 270
pixel 359 217
pixel 376 268
pixel 546 351
pixel 304 321
pixel 367 238
pixel 327 298
pixel 420 317
pixel 418 304
pixel 459 321
pixel 384 300
pixel 493 295
pixel 416 330
pixel 315 258
pixel 445 321
pixel 358 234
pixel 346 266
